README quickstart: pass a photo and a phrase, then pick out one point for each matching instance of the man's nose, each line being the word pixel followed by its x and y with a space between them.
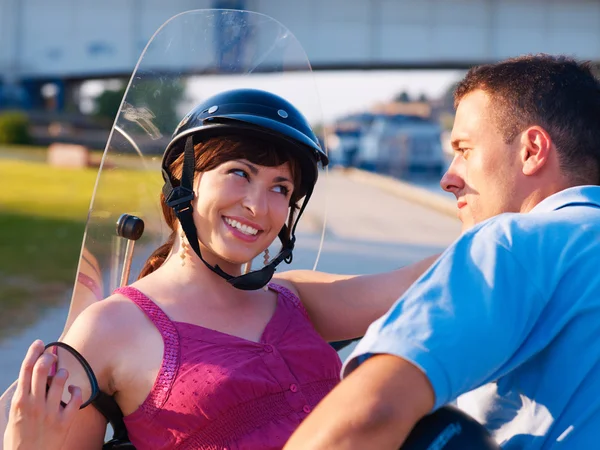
pixel 452 181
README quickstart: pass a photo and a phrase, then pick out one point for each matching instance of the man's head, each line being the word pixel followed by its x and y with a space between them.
pixel 525 128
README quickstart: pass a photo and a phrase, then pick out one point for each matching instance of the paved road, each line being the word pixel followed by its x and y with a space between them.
pixel 368 231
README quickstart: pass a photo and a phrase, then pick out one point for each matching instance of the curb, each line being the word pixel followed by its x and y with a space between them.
pixel 404 190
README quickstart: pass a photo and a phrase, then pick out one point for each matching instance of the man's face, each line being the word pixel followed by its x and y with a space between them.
pixel 485 172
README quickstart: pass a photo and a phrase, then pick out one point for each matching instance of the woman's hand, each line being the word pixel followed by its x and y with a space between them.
pixel 37 419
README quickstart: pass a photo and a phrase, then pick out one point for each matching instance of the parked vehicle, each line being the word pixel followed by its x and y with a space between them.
pixel 399 145
pixel 344 139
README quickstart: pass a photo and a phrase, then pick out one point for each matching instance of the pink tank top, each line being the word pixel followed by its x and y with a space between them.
pixel 217 391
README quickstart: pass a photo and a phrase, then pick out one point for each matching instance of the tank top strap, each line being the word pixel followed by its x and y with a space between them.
pixel 171 357
pixel 289 297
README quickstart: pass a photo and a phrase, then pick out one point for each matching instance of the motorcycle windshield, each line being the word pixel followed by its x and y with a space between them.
pixel 191 57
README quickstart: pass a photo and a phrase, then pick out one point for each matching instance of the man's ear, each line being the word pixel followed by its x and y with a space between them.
pixel 536 148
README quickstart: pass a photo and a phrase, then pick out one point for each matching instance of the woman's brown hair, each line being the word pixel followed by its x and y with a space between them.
pixel 211 154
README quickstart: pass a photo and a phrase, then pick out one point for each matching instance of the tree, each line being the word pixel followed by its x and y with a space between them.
pixel 14 128
pixel 402 97
pixel 161 98
pixel 106 104
pixel 448 97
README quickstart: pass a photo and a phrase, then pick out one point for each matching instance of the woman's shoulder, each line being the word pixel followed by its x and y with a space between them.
pixel 287 284
pixel 290 292
pixel 104 333
pixel 107 322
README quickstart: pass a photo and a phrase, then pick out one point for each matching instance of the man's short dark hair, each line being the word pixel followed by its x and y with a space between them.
pixel 555 92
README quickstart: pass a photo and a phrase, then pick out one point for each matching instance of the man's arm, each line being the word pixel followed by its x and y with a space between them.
pixel 376 406
pixel 343 306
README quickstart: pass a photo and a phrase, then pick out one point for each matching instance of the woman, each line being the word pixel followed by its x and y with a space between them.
pixel 195 353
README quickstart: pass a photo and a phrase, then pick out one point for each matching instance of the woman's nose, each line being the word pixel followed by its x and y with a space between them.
pixel 256 201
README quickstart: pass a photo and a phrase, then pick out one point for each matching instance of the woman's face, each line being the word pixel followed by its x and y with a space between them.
pixel 240 209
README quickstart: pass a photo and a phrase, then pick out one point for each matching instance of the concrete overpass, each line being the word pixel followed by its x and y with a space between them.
pixel 62 41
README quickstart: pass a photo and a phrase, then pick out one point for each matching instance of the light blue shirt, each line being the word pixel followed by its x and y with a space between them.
pixel 515 302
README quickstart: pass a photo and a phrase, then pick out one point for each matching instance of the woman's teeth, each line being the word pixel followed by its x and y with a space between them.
pixel 246 229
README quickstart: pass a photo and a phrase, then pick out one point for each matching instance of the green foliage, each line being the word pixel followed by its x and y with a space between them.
pixel 43 210
pixel 40 249
pixel 14 128
pixel 402 97
pixel 106 104
pixel 161 98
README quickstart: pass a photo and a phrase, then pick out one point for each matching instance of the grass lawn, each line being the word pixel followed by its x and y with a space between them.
pixel 43 210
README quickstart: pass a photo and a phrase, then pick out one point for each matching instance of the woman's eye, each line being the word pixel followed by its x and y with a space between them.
pixel 239 173
pixel 282 190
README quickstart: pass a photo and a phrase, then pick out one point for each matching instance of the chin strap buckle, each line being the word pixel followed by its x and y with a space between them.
pixel 179 198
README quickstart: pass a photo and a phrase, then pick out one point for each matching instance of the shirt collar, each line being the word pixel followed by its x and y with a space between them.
pixel 578 195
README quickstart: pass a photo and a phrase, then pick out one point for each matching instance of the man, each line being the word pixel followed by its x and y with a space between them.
pixel 515 301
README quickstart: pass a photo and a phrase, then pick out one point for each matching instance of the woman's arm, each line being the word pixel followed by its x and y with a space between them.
pixel 98 334
pixel 343 306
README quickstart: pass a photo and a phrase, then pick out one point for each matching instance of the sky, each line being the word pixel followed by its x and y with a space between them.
pixel 343 93
pixel 325 95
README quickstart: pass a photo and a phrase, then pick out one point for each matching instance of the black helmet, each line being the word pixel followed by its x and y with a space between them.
pixel 255 113
pixel 242 112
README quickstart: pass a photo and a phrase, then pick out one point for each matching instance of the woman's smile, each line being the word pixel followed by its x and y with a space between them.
pixel 243 229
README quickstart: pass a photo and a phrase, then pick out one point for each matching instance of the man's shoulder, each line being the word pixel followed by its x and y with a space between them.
pixel 511 228
pixel 498 229
pixel 549 238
